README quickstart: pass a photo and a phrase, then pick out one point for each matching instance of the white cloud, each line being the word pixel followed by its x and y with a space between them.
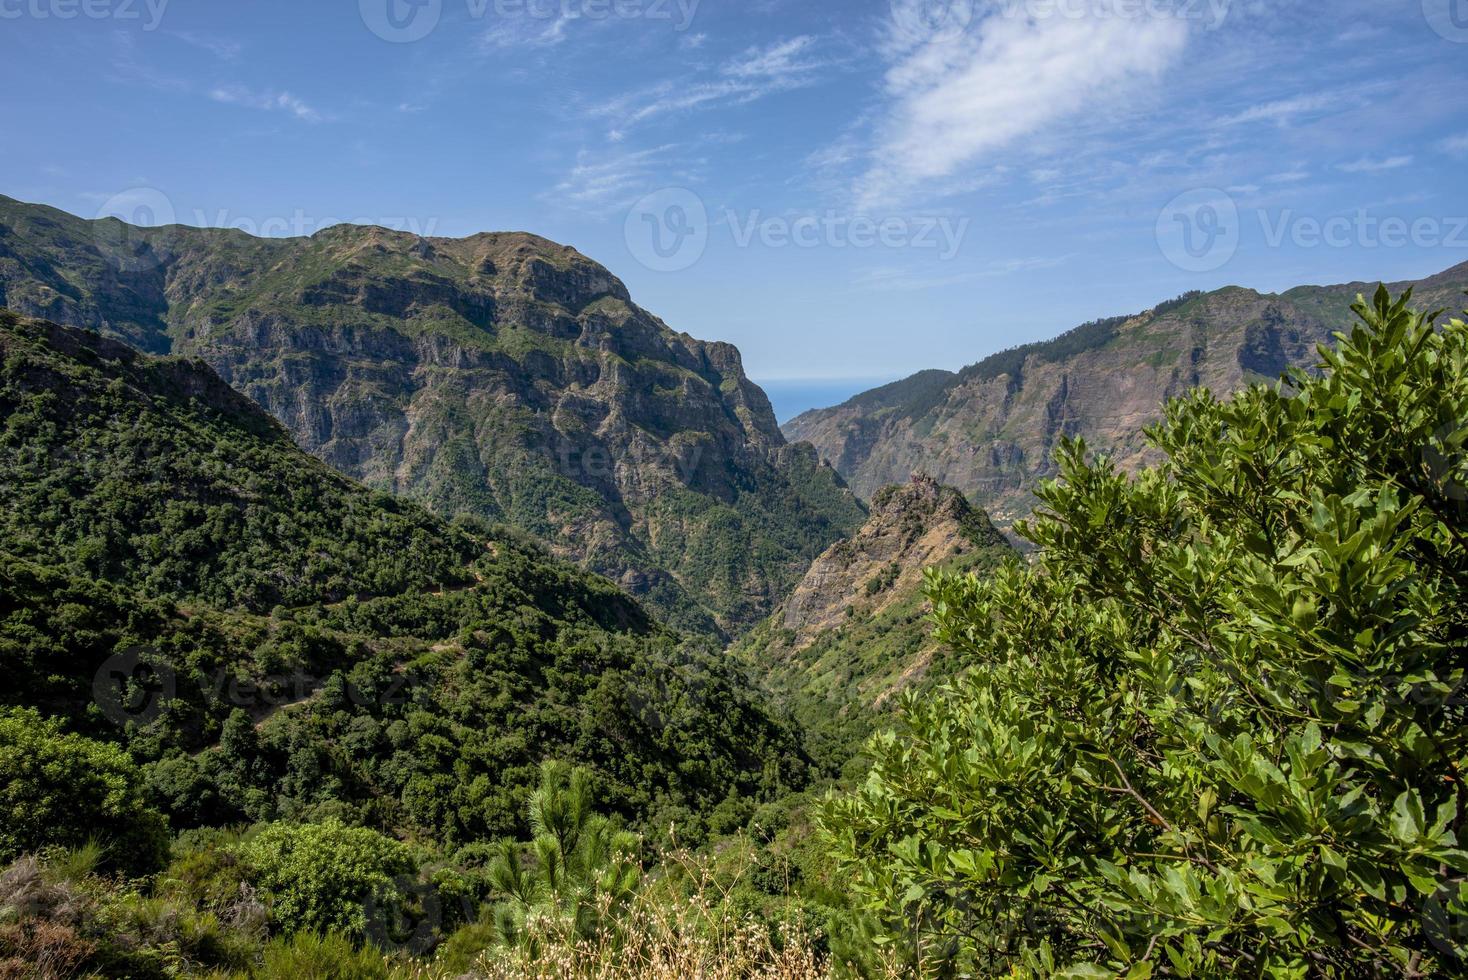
pixel 1455 146
pixel 953 101
pixel 1289 176
pixel 1367 165
pixel 527 32
pixel 603 183
pixel 272 101
pixel 220 47
pixel 778 61
pixel 753 75
pixel 1281 112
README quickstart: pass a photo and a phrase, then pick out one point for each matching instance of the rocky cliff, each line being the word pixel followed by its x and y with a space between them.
pixel 990 429
pixel 855 630
pixel 502 376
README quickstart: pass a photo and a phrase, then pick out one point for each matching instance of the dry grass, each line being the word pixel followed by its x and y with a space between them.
pixel 39 918
pixel 662 937
pixel 658 944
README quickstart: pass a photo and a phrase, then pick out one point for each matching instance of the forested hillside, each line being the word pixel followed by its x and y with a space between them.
pixel 272 640
pixel 501 376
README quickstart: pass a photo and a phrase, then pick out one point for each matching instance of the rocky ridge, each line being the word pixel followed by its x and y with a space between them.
pixel 991 429
pixel 855 630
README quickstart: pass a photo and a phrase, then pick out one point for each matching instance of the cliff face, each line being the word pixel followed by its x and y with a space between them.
pixel 501 375
pixel 991 429
pixel 855 630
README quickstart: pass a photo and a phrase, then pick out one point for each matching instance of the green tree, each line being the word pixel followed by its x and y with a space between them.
pixel 59 789
pixel 324 876
pixel 1217 728
pixel 572 881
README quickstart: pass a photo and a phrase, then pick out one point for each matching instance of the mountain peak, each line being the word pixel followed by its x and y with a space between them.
pixel 500 375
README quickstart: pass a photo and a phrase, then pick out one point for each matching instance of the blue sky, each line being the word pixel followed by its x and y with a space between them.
pixel 846 190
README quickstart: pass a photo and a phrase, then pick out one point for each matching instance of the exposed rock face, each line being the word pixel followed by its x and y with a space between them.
pixel 991 429
pixel 911 528
pixel 501 375
pixel 855 631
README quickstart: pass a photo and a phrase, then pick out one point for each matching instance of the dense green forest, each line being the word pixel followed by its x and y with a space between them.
pixel 263 722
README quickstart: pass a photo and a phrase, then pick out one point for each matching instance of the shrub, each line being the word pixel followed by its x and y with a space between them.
pixel 1218 728
pixel 322 877
pixel 62 790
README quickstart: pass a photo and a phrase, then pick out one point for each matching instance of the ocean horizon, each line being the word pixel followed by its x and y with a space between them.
pixel 793 396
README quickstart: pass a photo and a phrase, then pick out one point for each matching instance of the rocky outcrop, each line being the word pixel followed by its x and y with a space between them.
pixel 991 429
pixel 502 376
pixel 855 630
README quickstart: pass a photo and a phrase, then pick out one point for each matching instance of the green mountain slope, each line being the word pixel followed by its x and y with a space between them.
pixel 856 630
pixel 275 640
pixel 500 375
pixel 991 429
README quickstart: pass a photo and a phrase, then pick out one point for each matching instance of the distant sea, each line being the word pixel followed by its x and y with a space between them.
pixel 792 396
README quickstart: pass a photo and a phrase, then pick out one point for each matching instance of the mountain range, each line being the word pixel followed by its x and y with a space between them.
pixel 990 429
pixel 501 375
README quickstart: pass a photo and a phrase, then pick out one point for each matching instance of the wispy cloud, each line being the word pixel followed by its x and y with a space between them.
pixel 753 75
pixel 603 183
pixel 221 48
pixel 892 279
pixel 129 65
pixel 952 102
pixel 1289 176
pixel 271 101
pixel 1455 146
pixel 1281 112
pixel 528 32
pixel 1367 165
